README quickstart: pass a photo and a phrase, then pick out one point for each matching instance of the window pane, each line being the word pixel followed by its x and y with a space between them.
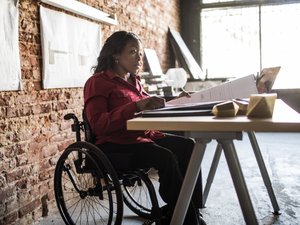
pixel 281 42
pixel 230 42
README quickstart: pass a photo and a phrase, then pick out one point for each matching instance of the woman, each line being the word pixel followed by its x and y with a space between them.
pixel 114 95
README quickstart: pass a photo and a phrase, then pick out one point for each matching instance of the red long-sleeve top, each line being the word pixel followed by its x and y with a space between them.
pixel 109 102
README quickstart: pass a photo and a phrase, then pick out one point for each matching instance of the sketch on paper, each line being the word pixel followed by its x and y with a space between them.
pixel 70 48
pixel 10 69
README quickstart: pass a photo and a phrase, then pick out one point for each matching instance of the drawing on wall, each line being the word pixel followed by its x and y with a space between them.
pixel 10 68
pixel 70 48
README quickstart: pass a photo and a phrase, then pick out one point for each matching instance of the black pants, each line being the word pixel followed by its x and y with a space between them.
pixel 170 156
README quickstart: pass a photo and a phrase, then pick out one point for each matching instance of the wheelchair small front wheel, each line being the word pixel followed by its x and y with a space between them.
pixel 140 193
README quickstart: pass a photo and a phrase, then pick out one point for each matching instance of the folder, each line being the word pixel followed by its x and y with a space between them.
pixel 189 109
pixel 174 113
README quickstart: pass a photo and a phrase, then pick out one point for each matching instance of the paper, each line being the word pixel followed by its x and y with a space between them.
pixel 10 68
pixel 189 106
pixel 239 88
pixel 172 113
pixel 70 47
pixel 189 109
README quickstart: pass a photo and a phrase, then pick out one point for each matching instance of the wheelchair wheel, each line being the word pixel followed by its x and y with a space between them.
pixel 87 190
pixel 140 193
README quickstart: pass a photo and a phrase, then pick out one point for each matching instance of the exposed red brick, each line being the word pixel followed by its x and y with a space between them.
pixel 10 218
pixel 22 183
pixel 62 106
pixel 2 102
pixel 6 193
pixel 12 112
pixel 33 132
pixel 15 175
pixel 44 175
pixel 49 150
pixel 29 207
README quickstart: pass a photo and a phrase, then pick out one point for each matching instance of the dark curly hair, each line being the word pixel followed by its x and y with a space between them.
pixel 113 45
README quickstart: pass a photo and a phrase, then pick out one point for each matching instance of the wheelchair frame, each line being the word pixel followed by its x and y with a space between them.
pixel 89 190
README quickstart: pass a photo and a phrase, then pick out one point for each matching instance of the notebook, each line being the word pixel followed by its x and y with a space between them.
pixel 193 109
pixel 174 113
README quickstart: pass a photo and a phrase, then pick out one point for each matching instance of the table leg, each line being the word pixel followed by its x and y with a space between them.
pixel 238 181
pixel 211 174
pixel 189 182
pixel 263 171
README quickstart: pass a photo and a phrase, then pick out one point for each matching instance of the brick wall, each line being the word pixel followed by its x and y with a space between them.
pixel 32 130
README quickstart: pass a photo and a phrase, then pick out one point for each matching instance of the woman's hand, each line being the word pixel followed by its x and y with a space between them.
pixel 150 103
pixel 184 94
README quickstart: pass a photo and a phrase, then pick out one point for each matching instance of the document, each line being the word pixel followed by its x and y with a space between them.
pixel 188 109
pixel 172 113
pixel 238 88
pixel 189 106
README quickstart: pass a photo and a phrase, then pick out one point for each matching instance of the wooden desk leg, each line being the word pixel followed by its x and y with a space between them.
pixel 189 182
pixel 211 174
pixel 263 171
pixel 238 181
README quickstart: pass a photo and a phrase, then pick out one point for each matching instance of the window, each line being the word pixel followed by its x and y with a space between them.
pixel 243 39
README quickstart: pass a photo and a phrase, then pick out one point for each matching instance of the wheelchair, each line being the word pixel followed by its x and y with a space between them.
pixel 89 190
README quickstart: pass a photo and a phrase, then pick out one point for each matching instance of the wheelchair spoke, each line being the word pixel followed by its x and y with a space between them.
pixel 136 188
pixel 84 193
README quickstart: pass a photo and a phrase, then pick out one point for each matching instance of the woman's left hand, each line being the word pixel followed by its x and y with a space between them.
pixel 184 94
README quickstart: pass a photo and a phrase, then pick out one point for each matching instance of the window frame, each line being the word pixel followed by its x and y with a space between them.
pixel 236 4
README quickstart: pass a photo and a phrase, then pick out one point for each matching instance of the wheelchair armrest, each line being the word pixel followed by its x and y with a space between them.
pixel 70 116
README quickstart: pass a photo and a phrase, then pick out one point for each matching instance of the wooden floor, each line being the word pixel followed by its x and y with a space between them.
pixel 281 152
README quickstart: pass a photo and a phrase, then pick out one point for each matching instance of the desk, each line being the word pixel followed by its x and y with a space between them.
pixel 224 130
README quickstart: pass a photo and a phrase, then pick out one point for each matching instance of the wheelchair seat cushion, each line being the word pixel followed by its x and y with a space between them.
pixel 121 161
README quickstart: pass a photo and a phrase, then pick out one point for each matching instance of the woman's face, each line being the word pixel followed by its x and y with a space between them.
pixel 130 60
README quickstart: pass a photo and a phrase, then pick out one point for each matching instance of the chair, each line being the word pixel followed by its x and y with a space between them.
pixel 90 190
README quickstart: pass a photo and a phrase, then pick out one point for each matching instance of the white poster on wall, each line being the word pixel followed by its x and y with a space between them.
pixel 70 48
pixel 10 69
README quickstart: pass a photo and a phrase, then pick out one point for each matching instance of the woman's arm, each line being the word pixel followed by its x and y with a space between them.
pixel 103 121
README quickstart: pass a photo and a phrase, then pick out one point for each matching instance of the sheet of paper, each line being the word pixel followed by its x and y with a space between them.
pixel 70 47
pixel 10 68
pixel 239 88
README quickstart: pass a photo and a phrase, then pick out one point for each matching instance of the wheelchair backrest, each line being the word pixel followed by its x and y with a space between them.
pixel 89 136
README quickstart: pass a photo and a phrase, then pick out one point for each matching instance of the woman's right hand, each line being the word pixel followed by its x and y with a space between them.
pixel 150 103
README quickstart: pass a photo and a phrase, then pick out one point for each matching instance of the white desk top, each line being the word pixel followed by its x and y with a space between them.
pixel 284 119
